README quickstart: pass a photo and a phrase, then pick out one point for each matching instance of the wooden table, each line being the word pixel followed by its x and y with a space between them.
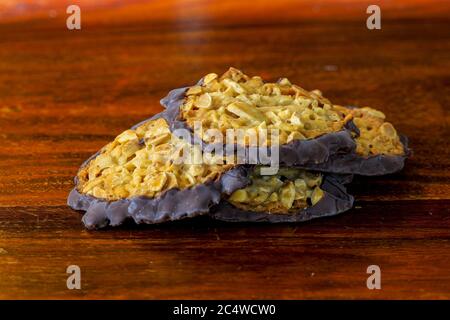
pixel 64 94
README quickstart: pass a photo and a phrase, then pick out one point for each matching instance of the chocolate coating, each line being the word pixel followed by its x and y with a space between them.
pixel 174 204
pixel 335 201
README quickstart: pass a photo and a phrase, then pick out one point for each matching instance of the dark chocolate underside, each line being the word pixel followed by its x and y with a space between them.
pixel 332 152
pixel 172 205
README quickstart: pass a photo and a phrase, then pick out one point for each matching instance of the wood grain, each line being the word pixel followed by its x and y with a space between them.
pixel 65 94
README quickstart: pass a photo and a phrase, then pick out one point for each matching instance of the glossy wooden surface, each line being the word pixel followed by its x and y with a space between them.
pixel 64 94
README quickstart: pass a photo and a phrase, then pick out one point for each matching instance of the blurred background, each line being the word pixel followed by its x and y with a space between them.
pixel 64 94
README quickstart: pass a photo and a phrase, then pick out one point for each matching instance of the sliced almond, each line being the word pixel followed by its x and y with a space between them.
pixel 233 85
pixel 127 136
pixel 209 77
pixel 316 195
pixel 245 111
pixel 287 195
pixel 194 90
pixel 204 101
pixel 156 182
pixel 159 139
pixel 239 196
pixel 373 113
pixel 388 130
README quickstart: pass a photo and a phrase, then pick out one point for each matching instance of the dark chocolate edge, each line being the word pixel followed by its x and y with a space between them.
pixel 335 200
pixel 332 152
pixel 352 163
pixel 173 204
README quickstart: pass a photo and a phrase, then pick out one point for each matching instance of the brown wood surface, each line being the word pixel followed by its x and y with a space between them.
pixel 64 94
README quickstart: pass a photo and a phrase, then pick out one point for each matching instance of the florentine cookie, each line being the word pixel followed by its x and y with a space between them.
pixel 292 195
pixel 149 175
pixel 313 133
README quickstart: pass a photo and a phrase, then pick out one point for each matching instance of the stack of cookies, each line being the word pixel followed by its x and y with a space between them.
pixel 237 148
